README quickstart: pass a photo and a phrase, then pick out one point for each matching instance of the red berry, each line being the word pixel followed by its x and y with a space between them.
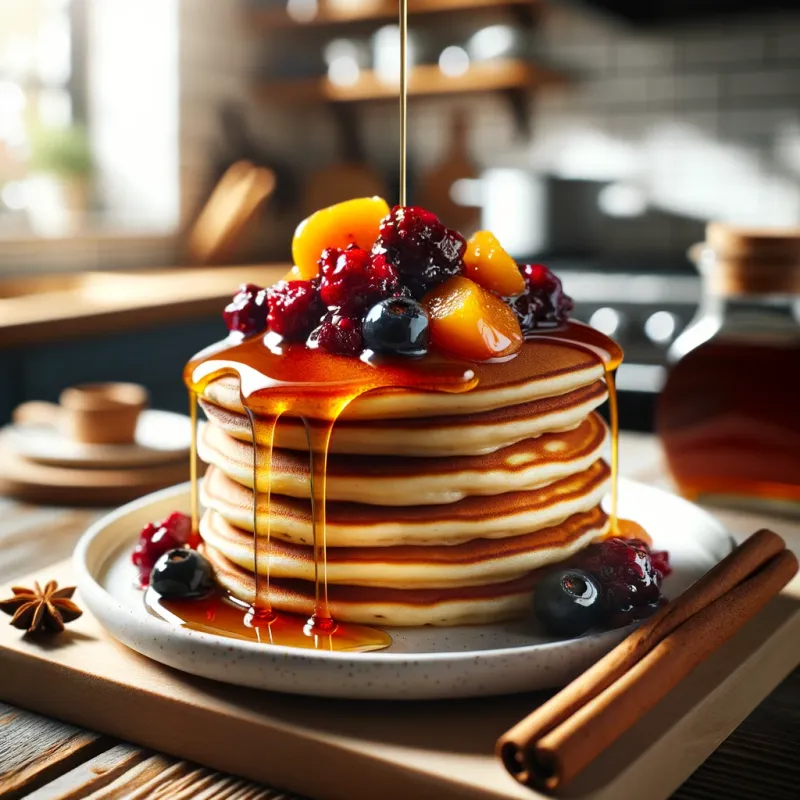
pixel 353 280
pixel 156 539
pixel 543 303
pixel 630 579
pixel 423 250
pixel 338 334
pixel 294 308
pixel 247 311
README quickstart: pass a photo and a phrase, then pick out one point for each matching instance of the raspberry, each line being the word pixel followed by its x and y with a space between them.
pixel 156 538
pixel 338 334
pixel 353 280
pixel 294 308
pixel 247 311
pixel 628 575
pixel 543 304
pixel 423 250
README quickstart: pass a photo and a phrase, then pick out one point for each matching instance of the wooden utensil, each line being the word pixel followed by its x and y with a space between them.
pixel 435 185
pixel 351 177
pixel 228 212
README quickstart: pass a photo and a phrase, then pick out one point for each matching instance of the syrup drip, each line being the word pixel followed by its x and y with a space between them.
pixel 194 538
pixel 317 387
pixel 577 335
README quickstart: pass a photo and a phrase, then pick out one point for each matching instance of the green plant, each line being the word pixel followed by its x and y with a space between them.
pixel 61 151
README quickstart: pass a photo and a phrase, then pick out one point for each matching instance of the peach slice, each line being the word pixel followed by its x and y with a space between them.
pixel 469 321
pixel 350 222
pixel 486 263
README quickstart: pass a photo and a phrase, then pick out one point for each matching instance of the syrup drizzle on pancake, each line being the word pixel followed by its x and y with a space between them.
pixel 317 387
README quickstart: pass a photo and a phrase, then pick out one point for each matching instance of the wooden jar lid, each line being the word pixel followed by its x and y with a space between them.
pixel 752 260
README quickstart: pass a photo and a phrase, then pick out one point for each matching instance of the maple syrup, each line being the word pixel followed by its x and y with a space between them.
pixel 278 379
pixel 728 416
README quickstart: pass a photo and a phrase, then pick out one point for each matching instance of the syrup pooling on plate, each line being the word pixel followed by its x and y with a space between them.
pixel 317 387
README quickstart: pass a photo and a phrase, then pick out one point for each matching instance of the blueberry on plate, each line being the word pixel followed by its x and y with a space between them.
pixel 398 325
pixel 568 602
pixel 182 573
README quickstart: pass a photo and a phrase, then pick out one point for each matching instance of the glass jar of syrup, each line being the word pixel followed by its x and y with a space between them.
pixel 729 414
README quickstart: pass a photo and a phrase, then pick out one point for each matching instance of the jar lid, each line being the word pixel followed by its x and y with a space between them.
pixel 752 260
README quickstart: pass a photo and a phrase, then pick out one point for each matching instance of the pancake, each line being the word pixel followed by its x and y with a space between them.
pixel 449 435
pixel 539 369
pixel 472 605
pixel 473 563
pixel 387 480
pixel 361 525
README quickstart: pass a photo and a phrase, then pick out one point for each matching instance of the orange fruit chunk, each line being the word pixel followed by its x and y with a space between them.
pixel 350 222
pixel 486 263
pixel 469 321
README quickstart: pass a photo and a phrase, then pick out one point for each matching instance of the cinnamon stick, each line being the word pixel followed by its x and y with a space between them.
pixel 554 743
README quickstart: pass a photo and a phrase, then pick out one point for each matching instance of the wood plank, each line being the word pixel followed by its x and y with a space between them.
pixel 127 771
pixel 267 19
pixel 138 299
pixel 425 80
pixel 34 749
pixel 93 775
pixel 441 751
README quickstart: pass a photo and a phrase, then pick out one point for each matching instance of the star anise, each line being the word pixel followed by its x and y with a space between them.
pixel 38 609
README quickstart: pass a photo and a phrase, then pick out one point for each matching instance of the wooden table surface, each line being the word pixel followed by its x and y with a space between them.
pixel 46 759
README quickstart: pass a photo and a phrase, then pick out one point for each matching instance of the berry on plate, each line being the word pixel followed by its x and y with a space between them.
pixel 628 576
pixel 182 573
pixel 568 602
pixel 156 539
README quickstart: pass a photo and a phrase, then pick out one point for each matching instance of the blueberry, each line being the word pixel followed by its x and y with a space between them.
pixel 568 602
pixel 397 325
pixel 182 573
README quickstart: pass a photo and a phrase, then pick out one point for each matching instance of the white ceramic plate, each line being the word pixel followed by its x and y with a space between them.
pixel 161 436
pixel 421 663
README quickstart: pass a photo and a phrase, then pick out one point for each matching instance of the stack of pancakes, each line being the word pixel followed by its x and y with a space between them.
pixel 442 508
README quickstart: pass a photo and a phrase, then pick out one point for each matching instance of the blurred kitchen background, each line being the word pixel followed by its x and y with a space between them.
pixel 598 137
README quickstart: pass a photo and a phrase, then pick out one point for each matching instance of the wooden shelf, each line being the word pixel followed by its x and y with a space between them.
pixel 380 10
pixel 424 81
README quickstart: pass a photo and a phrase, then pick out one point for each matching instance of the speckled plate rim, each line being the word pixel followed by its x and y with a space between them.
pixel 168 643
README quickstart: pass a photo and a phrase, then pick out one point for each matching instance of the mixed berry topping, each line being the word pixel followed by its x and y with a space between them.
pixel 628 579
pixel 157 538
pixel 338 334
pixel 397 325
pixel 247 311
pixel 425 252
pixel 543 303
pixel 352 264
pixel 294 308
pixel 353 280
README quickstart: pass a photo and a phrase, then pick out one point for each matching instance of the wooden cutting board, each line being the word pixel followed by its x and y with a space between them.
pixel 348 750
